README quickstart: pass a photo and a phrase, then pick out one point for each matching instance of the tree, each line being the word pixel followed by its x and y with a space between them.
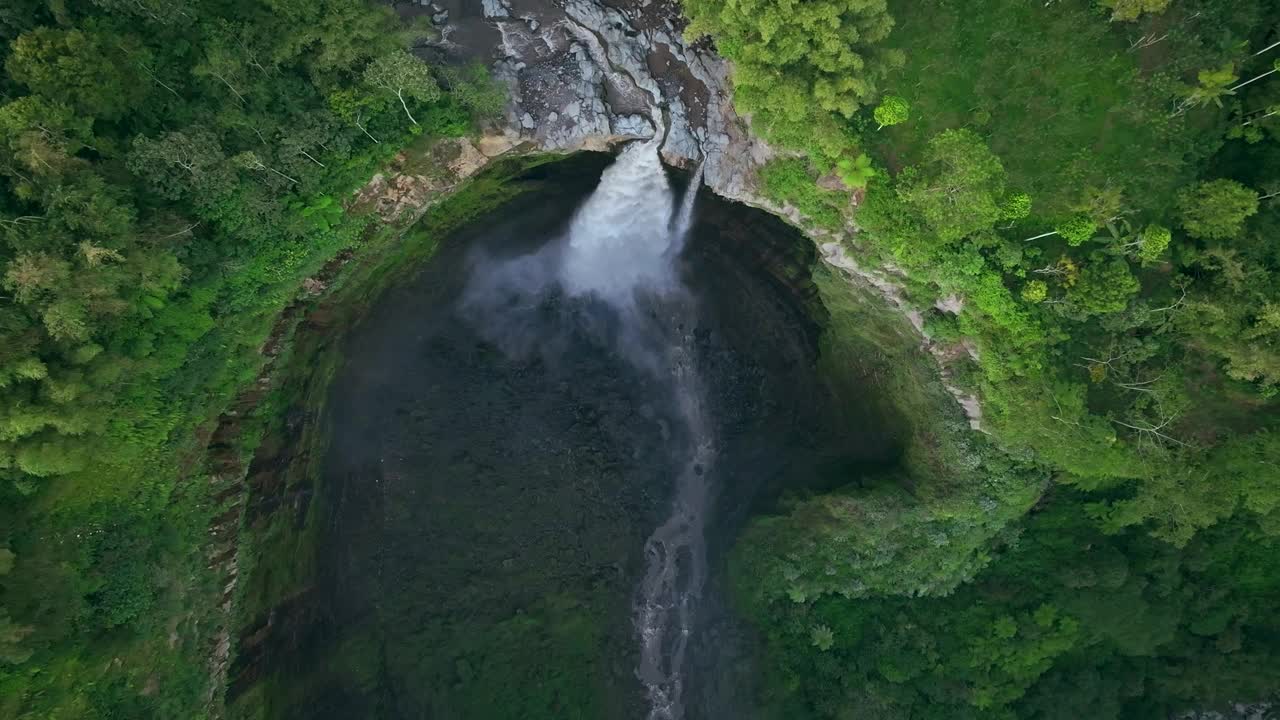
pixel 249 160
pixel 959 188
pixel 91 70
pixel 1105 286
pixel 1216 209
pixel 1131 9
pixel 356 108
pixel 161 12
pixel 1077 229
pixel 1268 111
pixel 1153 241
pixel 11 637
pixel 892 110
pixel 800 66
pixel 404 76
pixel 1275 68
pixel 226 62
pixel 43 136
pixel 1016 206
pixel 1241 331
pixel 35 274
pixel 176 163
pixel 19 16
pixel 1213 86
pixel 822 637
pixel 473 88
pixel 856 172
pixel 337 35
pixel 1035 291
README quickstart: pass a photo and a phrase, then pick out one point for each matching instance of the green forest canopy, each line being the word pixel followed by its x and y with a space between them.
pixel 169 173
pixel 1096 182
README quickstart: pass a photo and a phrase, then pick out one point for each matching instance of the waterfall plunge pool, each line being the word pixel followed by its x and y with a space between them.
pixel 531 467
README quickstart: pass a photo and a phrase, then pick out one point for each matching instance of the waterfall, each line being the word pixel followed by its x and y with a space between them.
pixel 684 220
pixel 625 239
pixel 619 238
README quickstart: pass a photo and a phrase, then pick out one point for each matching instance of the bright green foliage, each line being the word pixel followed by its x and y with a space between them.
pixel 1065 623
pixel 1182 500
pixel 958 189
pixel 1056 92
pixel 475 90
pixel 1132 9
pixel 1035 291
pixel 1016 206
pixel 1077 230
pixel 874 538
pixel 1155 238
pixel 892 110
pixel 856 172
pixel 882 542
pixel 94 70
pixel 789 180
pixel 405 77
pixel 800 68
pixel 1105 286
pixel 1134 362
pixel 1216 209
pixel 1212 86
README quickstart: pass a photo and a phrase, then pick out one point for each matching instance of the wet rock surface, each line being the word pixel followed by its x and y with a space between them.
pixel 586 74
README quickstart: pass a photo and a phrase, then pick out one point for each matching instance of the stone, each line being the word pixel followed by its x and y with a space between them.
pixel 832 181
pixel 632 126
pixel 492 146
pixel 469 160
pixel 952 304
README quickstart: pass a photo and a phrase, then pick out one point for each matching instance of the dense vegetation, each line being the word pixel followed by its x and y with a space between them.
pixel 169 173
pixel 1094 183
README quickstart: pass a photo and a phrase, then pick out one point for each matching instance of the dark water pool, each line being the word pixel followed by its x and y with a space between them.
pixel 487 501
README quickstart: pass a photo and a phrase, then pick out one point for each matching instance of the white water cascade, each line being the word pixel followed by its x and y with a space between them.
pixel 619 238
pixel 625 239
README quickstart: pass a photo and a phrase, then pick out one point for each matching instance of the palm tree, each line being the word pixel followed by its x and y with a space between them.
pixel 1214 85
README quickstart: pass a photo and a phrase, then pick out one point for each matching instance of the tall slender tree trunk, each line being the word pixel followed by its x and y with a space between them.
pixel 366 133
pixel 405 105
pixel 1260 119
pixel 271 169
pixel 1257 77
pixel 1041 235
pixel 1274 44
pixel 229 86
pixel 304 152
